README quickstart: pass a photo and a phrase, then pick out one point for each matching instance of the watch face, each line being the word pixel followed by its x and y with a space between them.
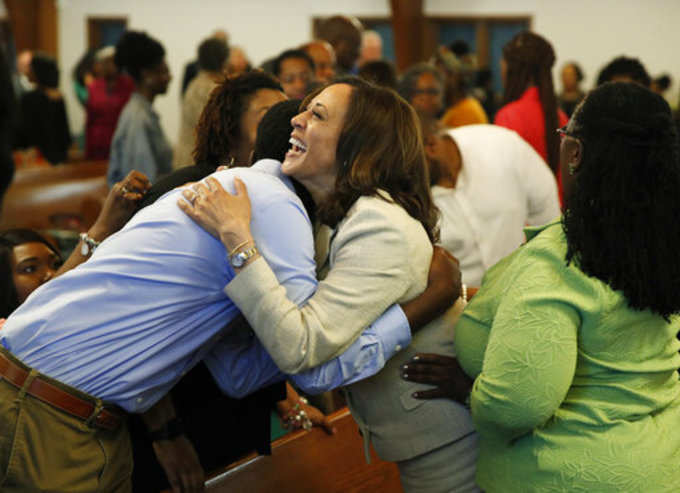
pixel 84 249
pixel 237 260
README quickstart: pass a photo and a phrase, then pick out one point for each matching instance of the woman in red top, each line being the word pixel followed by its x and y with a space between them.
pixel 530 102
pixel 107 97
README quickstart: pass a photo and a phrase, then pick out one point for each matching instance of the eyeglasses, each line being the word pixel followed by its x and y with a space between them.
pixel 563 132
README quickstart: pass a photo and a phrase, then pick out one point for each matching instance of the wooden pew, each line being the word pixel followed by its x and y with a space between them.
pixel 65 204
pixel 68 196
pixel 48 174
pixel 311 462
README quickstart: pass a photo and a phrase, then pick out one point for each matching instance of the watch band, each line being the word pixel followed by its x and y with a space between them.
pixel 239 259
pixel 89 245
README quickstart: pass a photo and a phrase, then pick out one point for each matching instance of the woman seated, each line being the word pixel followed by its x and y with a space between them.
pixel 28 259
pixel 375 194
pixel 571 341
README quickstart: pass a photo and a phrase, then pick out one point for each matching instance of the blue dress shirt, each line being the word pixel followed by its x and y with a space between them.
pixel 128 323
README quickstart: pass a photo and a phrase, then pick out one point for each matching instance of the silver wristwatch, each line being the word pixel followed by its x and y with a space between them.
pixel 238 259
pixel 88 246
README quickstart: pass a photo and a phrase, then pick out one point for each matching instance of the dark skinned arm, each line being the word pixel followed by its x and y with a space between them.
pixel 442 291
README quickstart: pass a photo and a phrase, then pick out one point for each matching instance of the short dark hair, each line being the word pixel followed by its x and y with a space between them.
pixel 212 53
pixel 621 219
pixel 46 70
pixel 273 131
pixel 9 300
pixel 218 128
pixel 136 51
pixel 295 53
pixel 272 142
pixel 625 66
pixel 380 72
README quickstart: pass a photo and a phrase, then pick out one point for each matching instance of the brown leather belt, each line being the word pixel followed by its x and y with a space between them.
pixel 57 397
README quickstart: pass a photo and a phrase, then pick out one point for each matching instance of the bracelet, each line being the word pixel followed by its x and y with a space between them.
pixel 463 292
pixel 169 431
pixel 297 417
pixel 238 247
pixel 89 245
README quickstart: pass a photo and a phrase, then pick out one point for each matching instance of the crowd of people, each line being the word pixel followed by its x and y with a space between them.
pixel 490 280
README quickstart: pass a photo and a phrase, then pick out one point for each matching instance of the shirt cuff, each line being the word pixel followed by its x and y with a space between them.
pixel 393 330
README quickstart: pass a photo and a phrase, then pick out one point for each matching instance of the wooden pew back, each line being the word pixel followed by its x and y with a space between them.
pixel 68 196
pixel 48 174
pixel 312 462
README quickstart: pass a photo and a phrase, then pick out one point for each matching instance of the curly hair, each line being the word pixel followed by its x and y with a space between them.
pixel 530 58
pixel 395 162
pixel 9 300
pixel 136 51
pixel 219 127
pixel 621 219
pixel 623 66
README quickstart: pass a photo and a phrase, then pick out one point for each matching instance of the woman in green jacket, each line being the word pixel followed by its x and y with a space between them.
pixel 571 341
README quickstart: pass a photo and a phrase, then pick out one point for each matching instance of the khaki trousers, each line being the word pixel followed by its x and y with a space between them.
pixel 45 449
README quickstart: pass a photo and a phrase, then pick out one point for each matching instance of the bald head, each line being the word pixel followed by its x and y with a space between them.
pixel 220 34
pixel 344 35
pixel 324 59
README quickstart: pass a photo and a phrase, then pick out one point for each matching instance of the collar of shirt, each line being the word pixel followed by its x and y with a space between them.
pixel 273 167
pixel 144 104
pixel 533 231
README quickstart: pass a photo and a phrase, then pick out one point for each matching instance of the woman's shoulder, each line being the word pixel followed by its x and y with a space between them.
pixel 379 206
pixel 384 225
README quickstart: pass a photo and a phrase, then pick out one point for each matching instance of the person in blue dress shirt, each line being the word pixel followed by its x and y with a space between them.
pixel 121 329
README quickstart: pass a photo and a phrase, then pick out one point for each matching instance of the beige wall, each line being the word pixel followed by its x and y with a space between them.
pixel 591 32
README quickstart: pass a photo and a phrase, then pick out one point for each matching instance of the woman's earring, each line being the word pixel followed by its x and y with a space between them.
pixel 572 168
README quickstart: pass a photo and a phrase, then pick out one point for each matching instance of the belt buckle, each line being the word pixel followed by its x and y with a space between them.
pixel 106 419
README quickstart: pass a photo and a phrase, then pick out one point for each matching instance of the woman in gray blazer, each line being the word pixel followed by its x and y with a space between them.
pixel 357 149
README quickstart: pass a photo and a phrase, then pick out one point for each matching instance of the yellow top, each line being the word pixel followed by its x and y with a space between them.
pixel 467 111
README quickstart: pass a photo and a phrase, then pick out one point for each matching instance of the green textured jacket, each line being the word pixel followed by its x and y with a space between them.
pixel 574 391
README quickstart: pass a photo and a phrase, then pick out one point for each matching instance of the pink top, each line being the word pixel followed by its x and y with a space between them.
pixel 103 109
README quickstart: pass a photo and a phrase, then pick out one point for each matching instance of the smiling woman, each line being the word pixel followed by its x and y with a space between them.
pixel 27 260
pixel 371 186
